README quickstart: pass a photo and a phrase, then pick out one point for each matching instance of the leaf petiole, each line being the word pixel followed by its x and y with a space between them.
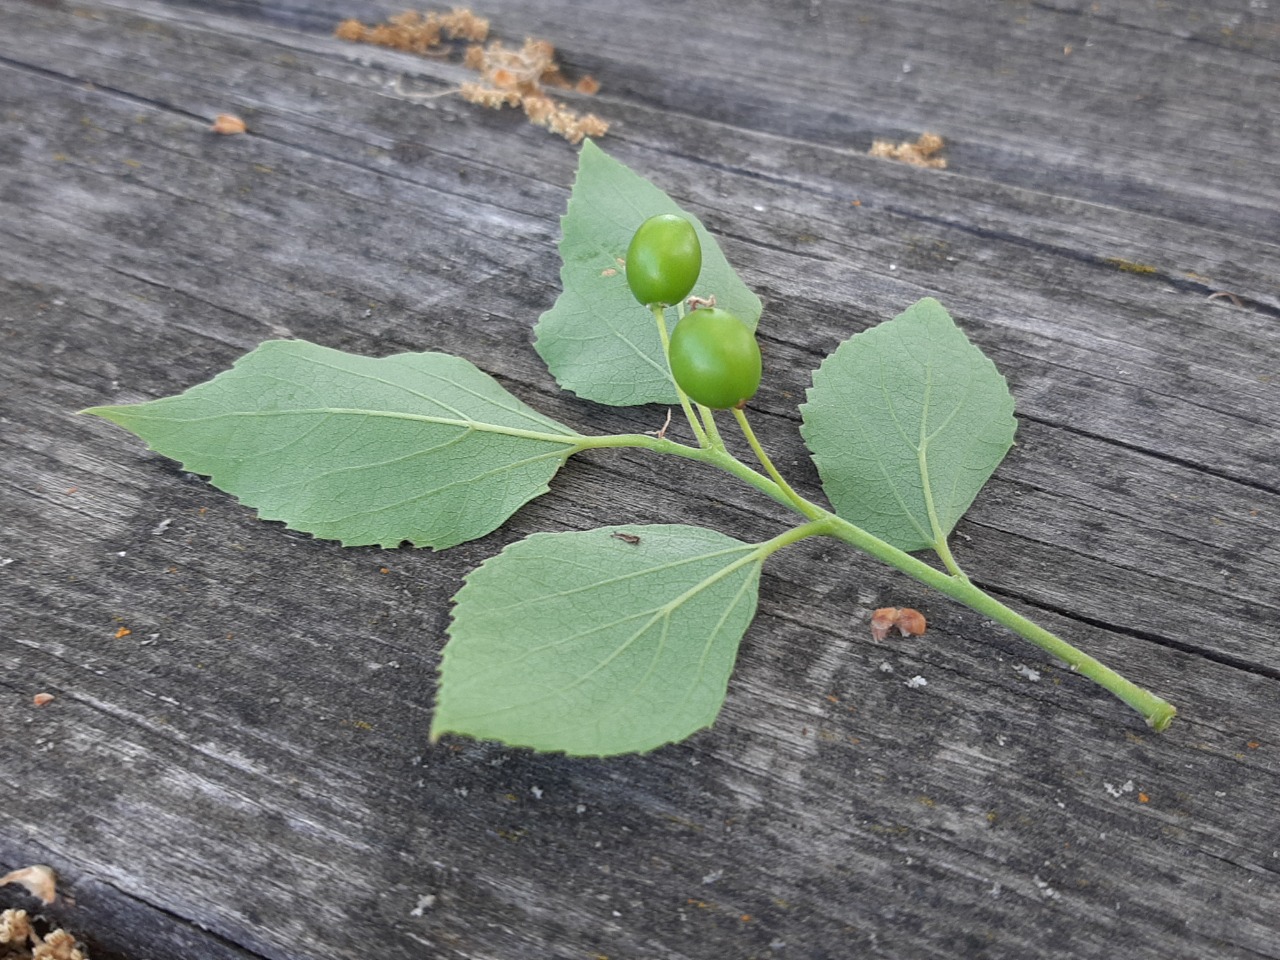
pixel 660 315
pixel 713 432
pixel 797 501
pixel 814 528
pixel 943 550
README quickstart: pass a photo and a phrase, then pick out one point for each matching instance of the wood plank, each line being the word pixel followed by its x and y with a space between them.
pixel 246 771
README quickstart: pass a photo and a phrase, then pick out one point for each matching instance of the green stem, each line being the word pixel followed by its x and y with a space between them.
pixel 660 314
pixel 758 554
pixel 797 501
pixel 713 432
pixel 709 455
pixel 1157 712
pixel 813 528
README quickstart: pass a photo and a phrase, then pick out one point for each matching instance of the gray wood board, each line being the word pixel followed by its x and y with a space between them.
pixel 246 771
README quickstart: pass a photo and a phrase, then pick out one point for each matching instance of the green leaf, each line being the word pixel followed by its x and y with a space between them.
pixel 906 422
pixel 419 446
pixel 601 642
pixel 597 340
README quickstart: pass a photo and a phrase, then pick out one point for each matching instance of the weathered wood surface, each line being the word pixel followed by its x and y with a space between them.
pixel 246 772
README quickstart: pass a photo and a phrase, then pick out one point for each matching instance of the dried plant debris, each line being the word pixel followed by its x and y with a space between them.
pixel 19 940
pixel 508 77
pixel 227 124
pixel 521 78
pixel 919 153
pixel 908 622
pixel 40 881
pixel 416 32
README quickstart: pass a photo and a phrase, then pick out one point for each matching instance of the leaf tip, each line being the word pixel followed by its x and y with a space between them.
pixel 108 412
pixel 930 308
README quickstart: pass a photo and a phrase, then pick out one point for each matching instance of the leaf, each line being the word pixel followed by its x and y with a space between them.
pixel 597 340
pixel 421 447
pixel 907 416
pixel 600 642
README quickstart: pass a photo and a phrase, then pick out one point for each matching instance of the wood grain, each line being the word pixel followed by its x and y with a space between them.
pixel 236 764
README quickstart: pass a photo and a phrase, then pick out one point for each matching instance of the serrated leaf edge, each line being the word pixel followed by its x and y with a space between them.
pixel 751 580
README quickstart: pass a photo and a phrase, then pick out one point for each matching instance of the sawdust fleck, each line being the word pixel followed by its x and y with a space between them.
pixel 922 152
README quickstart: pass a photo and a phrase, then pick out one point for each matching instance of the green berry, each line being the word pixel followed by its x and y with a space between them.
pixel 715 358
pixel 663 260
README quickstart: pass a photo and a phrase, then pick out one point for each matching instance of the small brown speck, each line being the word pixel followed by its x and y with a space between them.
pixel 227 124
pixel 908 622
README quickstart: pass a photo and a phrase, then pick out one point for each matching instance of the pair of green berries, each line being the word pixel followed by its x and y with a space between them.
pixel 714 356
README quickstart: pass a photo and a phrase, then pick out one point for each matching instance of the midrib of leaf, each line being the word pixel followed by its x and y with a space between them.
pixel 754 555
pixel 922 454
pixel 884 470
pixel 921 448
pixel 361 467
pixel 568 439
pixel 622 704
pixel 939 536
pixel 426 398
pixel 706 647
pixel 662 613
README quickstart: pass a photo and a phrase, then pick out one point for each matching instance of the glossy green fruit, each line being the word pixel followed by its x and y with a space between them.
pixel 715 358
pixel 663 260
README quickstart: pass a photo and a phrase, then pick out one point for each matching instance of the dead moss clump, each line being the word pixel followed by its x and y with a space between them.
pixel 508 77
pixel 416 32
pixel 20 941
pixel 923 152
